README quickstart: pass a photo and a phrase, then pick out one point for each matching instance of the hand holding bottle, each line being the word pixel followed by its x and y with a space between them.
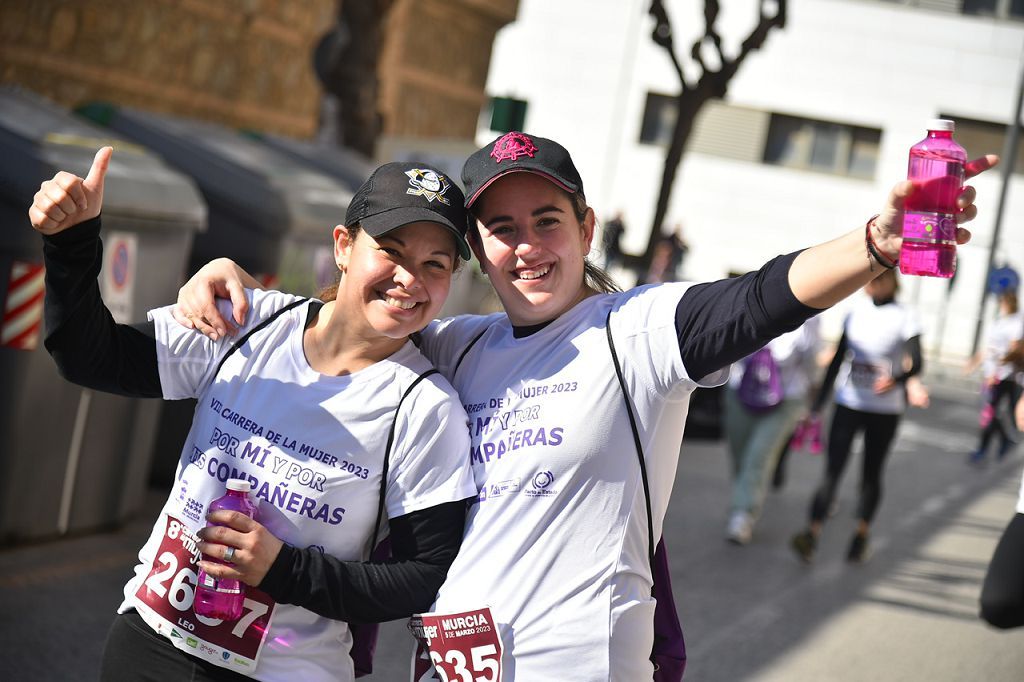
pixel 887 228
pixel 255 547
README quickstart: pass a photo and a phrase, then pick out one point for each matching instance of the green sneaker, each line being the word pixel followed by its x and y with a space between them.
pixel 804 544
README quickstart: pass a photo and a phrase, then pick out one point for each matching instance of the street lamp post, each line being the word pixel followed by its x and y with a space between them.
pixel 1009 160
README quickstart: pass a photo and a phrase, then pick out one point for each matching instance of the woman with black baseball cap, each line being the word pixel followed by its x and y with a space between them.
pixel 325 407
pixel 577 396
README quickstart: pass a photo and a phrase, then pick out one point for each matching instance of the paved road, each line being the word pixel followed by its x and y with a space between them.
pixel 751 613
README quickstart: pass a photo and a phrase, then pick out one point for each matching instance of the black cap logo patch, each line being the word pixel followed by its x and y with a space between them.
pixel 427 183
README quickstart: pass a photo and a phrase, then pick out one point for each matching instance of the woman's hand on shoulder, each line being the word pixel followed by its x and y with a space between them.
pixel 256 548
pixel 66 200
pixel 196 307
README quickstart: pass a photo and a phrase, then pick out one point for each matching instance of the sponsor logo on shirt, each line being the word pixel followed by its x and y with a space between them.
pixel 540 485
pixel 498 489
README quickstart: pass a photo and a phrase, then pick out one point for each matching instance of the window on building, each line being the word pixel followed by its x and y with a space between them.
pixel 995 8
pixel 982 137
pixel 1001 9
pixel 659 119
pixel 507 114
pixel 823 146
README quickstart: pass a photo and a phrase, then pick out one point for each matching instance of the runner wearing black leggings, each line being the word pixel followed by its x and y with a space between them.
pixel 1002 596
pixel 869 371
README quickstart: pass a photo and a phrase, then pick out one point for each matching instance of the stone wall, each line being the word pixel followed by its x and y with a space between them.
pixel 248 63
pixel 245 63
pixel 434 65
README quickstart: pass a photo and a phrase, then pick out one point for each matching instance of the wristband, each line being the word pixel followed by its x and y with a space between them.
pixel 875 254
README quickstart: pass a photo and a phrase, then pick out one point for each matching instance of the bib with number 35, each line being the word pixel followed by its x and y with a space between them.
pixel 165 597
pixel 457 647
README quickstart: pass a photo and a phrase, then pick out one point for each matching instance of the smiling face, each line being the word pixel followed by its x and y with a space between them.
pixel 532 247
pixel 393 285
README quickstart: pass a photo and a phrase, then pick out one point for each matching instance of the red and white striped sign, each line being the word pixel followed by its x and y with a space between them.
pixel 268 280
pixel 23 309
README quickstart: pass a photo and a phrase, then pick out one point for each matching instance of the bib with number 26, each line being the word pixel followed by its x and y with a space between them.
pixel 165 597
pixel 457 647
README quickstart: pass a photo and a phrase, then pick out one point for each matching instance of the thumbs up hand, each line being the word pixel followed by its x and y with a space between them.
pixel 67 199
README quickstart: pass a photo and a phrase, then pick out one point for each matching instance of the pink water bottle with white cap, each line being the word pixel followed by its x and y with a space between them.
pixel 224 598
pixel 929 224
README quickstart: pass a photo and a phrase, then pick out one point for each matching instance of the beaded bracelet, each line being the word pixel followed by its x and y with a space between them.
pixel 874 253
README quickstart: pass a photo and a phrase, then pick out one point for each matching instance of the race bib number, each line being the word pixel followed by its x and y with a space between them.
pixel 457 647
pixel 165 597
pixel 864 374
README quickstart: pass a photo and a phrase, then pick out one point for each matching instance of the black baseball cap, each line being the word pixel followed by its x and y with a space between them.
pixel 404 192
pixel 518 152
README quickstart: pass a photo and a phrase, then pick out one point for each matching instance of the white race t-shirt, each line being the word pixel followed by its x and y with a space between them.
pixel 557 544
pixel 875 336
pixel 313 447
pixel 1004 331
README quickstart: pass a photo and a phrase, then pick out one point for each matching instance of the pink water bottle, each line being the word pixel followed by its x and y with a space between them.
pixel 929 224
pixel 223 599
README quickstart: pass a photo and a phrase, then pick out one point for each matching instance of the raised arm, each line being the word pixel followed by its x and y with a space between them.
pixel 825 274
pixel 89 348
pixel 720 322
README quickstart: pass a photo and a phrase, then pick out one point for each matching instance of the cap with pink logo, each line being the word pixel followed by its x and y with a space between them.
pixel 517 152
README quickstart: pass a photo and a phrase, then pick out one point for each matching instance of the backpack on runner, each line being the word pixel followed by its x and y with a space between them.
pixel 760 388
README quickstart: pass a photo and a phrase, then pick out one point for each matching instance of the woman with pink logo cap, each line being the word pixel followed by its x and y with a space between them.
pixel 577 397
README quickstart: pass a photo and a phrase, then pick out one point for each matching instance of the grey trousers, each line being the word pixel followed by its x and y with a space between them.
pixel 755 441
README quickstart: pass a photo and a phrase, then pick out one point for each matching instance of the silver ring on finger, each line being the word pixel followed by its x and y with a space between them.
pixel 229 554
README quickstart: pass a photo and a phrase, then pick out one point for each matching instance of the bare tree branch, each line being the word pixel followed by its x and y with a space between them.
pixel 711 84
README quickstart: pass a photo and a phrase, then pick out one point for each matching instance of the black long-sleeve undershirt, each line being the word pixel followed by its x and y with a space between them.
pixel 92 350
pixel 423 545
pixel 721 322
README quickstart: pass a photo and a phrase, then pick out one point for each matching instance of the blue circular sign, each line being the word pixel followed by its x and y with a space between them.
pixel 1003 279
pixel 119 265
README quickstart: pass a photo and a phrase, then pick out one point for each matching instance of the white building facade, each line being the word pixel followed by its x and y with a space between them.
pixel 812 134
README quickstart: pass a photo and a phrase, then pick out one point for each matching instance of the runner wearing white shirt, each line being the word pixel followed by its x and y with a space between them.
pixel 558 545
pixel 308 406
pixel 869 371
pixel 1000 387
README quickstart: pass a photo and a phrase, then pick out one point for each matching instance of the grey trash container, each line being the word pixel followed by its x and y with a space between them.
pixel 75 459
pixel 267 211
pixel 346 165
